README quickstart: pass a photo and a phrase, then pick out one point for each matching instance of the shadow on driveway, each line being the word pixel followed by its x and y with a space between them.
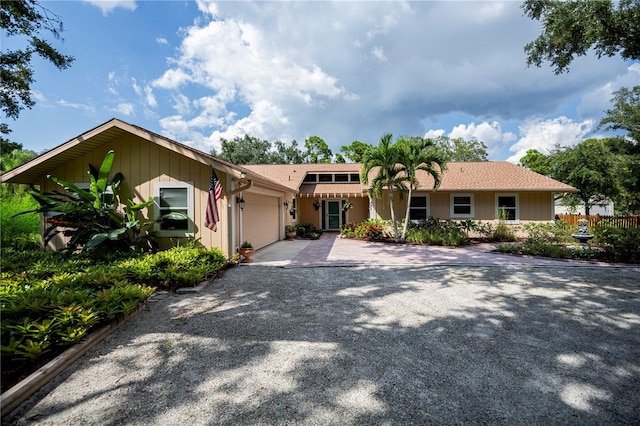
pixel 368 345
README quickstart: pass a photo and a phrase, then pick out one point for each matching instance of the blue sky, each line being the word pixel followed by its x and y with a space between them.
pixel 197 71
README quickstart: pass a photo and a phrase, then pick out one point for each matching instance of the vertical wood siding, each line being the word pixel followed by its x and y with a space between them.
pixel 144 163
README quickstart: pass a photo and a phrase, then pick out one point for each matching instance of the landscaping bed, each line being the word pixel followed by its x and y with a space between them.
pixel 50 301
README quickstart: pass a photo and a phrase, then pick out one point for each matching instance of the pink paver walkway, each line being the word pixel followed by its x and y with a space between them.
pixel 330 249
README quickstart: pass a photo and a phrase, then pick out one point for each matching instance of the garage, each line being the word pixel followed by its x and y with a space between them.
pixel 260 219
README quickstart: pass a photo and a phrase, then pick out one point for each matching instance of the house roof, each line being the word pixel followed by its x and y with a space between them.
pixel 458 177
pixel 33 170
pixel 292 175
pixel 492 176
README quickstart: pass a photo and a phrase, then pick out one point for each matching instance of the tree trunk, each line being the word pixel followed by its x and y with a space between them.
pixel 393 216
pixel 406 217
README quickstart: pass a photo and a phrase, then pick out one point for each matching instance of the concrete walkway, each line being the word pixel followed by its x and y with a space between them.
pixel 331 250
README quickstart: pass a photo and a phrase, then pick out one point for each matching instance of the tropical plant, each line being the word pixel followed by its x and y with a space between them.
pixel 384 159
pixel 246 244
pixel 90 218
pixel 418 154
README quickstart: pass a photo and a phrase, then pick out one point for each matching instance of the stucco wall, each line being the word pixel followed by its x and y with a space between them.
pixel 533 206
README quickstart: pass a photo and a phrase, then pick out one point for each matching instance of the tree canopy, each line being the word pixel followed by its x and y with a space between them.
pixel 317 150
pixel 355 151
pixel 537 162
pixel 572 28
pixel 459 149
pixel 589 167
pixel 27 19
pixel 625 113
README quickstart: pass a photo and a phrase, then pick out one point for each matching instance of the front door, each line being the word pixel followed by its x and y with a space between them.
pixel 334 216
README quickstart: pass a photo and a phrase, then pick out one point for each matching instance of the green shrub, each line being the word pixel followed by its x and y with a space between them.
pixel 370 229
pixel 174 268
pixel 619 244
pixel 556 232
pixel 20 232
pixel 503 233
pixel 440 232
pixel 539 247
pixel 50 301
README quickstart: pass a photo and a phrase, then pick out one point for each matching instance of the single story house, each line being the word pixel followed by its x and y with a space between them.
pixel 258 201
pixel 468 190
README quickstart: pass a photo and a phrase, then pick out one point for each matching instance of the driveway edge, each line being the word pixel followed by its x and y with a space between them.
pixel 15 396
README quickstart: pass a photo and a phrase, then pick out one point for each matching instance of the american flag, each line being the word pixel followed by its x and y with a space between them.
pixel 215 191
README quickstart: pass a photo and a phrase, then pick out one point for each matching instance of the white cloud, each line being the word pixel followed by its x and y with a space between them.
pixel 434 134
pixel 74 105
pixel 489 133
pixel 108 6
pixel 545 135
pixel 125 108
pixel 315 68
pixel 150 99
pixel 182 104
pixel 162 40
pixel 378 53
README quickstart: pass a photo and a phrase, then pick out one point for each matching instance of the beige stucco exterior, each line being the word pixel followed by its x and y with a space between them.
pixel 532 206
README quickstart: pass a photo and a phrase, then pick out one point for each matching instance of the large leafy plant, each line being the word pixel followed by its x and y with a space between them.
pixel 92 218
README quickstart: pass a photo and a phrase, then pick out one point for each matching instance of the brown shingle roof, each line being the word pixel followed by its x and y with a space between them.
pixel 291 175
pixel 459 177
pixel 492 176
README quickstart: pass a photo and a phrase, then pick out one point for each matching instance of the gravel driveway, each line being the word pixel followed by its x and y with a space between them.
pixel 368 345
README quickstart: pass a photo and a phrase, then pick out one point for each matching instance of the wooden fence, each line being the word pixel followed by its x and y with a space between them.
pixel 625 222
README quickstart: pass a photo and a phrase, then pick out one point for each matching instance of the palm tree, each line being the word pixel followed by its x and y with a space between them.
pixel 418 154
pixel 384 157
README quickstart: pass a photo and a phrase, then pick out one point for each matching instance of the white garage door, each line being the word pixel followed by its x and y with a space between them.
pixel 260 219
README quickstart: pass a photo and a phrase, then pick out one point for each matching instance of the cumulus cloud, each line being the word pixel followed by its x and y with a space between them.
pixel 545 135
pixel 125 109
pixel 108 6
pixel 355 70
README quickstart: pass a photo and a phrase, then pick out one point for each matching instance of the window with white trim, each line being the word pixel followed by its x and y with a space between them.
pixel 107 195
pixel 507 205
pixel 173 197
pixel 419 209
pixel 462 205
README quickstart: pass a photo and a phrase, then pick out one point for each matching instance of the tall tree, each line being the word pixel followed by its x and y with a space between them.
pixel 459 149
pixel 355 151
pixel 317 150
pixel 287 154
pixel 572 28
pixel 537 162
pixel 26 19
pixel 244 150
pixel 625 114
pixel 418 154
pixel 590 168
pixel 384 158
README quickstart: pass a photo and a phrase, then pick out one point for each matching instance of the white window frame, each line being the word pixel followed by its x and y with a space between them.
pixel 517 207
pixel 428 206
pixel 87 187
pixel 453 205
pixel 190 209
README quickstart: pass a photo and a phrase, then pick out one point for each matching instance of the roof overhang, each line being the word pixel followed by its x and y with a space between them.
pixel 32 172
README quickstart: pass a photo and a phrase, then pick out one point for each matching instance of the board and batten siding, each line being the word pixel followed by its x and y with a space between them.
pixel 533 206
pixel 144 163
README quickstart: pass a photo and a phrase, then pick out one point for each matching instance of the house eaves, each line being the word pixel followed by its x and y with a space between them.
pixel 30 172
